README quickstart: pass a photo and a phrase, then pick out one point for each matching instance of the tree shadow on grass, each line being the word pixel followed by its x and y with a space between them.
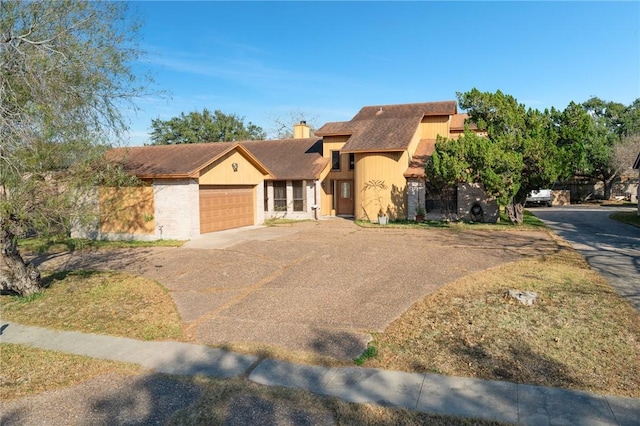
pixel 519 363
pixel 130 259
pixel 50 279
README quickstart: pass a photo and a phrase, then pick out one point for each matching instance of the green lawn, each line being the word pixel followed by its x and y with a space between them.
pixel 630 218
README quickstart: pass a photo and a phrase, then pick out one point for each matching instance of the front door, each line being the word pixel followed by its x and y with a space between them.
pixel 345 197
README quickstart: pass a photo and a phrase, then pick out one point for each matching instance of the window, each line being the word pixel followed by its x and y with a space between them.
pixel 335 160
pixel 352 161
pixel 345 189
pixel 298 196
pixel 280 196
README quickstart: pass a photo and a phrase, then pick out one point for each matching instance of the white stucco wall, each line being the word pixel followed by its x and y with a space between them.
pixel 259 203
pixel 177 213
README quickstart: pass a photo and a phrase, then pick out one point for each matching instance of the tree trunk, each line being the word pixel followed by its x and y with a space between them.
pixel 515 211
pixel 16 276
pixel 608 185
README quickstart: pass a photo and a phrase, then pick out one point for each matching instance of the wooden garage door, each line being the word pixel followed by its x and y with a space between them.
pixel 225 207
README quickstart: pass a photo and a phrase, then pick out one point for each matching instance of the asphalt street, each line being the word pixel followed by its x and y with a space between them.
pixel 611 247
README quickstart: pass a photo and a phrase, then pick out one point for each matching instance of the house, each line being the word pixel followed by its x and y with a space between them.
pixel 389 145
pixel 193 189
pixel 358 168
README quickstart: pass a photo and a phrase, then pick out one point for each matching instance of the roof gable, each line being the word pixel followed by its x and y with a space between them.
pixel 175 161
pixel 386 127
pixel 285 159
pixel 458 121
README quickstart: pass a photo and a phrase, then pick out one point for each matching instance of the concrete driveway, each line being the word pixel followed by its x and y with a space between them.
pixel 612 248
pixel 320 287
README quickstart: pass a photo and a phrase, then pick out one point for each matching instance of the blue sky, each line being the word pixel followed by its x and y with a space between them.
pixel 267 60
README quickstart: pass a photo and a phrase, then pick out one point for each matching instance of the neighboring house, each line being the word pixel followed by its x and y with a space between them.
pixel 193 189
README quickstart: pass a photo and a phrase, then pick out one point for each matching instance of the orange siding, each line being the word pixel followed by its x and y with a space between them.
pixel 221 172
pixel 388 168
pixel 415 140
pixel 127 210
pixel 432 126
pixel 333 143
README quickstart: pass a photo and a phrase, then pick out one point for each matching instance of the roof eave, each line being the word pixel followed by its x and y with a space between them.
pixel 377 150
pixel 414 175
pixel 323 134
pixel 244 151
pixel 164 176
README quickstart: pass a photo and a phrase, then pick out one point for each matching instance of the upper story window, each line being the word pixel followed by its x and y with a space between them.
pixel 335 160
pixel 352 161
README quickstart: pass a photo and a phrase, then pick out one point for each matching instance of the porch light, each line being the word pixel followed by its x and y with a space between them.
pixel 234 166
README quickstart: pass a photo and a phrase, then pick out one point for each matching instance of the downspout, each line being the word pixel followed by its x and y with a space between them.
pixel 315 199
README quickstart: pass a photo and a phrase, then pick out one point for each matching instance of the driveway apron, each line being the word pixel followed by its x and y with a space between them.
pixel 316 287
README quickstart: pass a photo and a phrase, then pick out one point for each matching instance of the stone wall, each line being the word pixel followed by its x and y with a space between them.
pixel 415 196
pixel 475 205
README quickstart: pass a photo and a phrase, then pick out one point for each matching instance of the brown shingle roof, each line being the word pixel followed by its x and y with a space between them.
pixel 457 122
pixel 420 157
pixel 286 159
pixel 335 128
pixel 386 127
pixel 169 161
pixel 290 159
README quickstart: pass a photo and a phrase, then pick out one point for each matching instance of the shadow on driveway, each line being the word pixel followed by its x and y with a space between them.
pixel 319 287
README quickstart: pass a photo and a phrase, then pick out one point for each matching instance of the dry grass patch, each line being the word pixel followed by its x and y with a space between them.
pixel 579 335
pixel 242 401
pixel 27 371
pixel 110 303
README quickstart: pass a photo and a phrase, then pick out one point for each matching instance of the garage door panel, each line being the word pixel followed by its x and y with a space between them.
pixel 225 207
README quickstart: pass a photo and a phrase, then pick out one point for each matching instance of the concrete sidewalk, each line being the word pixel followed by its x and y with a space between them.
pixel 432 393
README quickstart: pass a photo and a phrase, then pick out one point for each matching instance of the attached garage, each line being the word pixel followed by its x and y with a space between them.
pixel 196 189
pixel 226 206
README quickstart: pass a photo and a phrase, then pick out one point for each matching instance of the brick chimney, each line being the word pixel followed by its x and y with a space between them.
pixel 301 131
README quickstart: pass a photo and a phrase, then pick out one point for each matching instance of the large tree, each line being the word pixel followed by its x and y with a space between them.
pixel 592 134
pixel 64 76
pixel 519 154
pixel 474 159
pixel 203 127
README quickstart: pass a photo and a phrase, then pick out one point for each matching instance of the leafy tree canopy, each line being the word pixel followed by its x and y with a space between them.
pixel 589 135
pixel 203 127
pixel 518 155
pixel 475 159
pixel 64 75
